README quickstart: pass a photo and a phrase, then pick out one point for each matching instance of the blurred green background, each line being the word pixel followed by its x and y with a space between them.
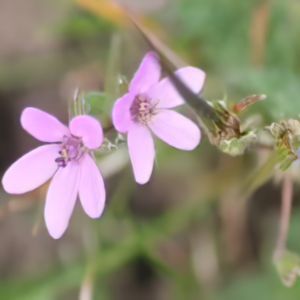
pixel 190 233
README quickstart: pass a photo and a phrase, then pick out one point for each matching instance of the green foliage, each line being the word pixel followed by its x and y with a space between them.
pixel 217 35
pixel 281 86
pixel 262 285
pixel 84 26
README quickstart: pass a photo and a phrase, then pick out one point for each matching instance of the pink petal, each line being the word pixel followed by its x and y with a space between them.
pixel 176 130
pixel 147 74
pixel 61 198
pixel 31 170
pixel 121 116
pixel 42 125
pixel 89 129
pixel 165 93
pixel 91 188
pixel 141 152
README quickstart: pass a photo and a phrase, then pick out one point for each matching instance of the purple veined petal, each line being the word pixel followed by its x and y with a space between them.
pixel 43 126
pixel 141 152
pixel 146 75
pixel 176 130
pixel 165 93
pixel 31 170
pixel 89 129
pixel 121 115
pixel 91 188
pixel 61 199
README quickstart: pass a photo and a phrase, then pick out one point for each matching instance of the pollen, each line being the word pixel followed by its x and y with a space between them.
pixel 142 109
pixel 72 149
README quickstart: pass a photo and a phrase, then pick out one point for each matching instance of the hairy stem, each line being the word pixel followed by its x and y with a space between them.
pixel 286 206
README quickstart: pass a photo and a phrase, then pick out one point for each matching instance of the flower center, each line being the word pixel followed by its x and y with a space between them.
pixel 71 149
pixel 141 109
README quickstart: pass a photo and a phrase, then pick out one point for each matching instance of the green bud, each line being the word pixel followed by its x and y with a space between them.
pixel 237 146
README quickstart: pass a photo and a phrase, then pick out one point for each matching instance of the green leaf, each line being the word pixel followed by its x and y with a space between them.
pixel 288 267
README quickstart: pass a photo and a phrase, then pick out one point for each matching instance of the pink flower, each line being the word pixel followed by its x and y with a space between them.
pixel 145 110
pixel 68 159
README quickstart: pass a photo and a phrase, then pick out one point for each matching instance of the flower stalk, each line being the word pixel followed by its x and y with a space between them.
pixel 285 214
